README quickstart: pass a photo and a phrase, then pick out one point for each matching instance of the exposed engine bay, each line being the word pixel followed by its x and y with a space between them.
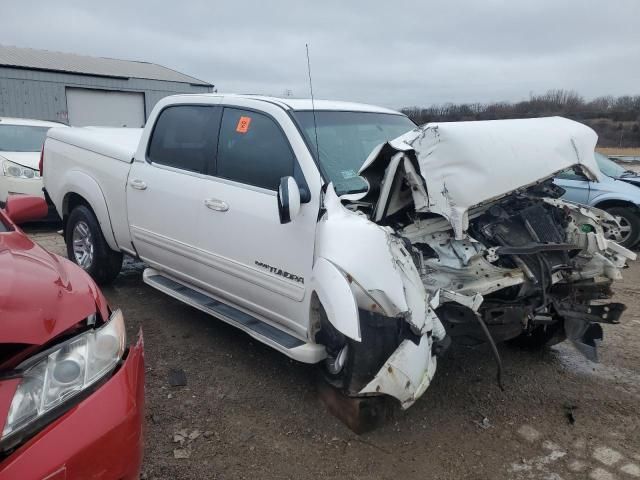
pixel 529 258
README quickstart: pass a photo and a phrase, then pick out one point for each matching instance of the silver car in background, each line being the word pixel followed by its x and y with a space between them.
pixel 618 193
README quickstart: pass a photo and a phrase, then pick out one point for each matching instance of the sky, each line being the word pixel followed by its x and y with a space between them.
pixel 392 53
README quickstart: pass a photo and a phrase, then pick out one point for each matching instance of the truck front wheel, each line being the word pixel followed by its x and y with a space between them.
pixel 87 247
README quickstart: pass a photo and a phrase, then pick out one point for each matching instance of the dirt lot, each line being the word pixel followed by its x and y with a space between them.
pixel 255 414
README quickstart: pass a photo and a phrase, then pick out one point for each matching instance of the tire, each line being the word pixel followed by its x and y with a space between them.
pixel 99 261
pixel 362 360
pixel 541 337
pixel 629 219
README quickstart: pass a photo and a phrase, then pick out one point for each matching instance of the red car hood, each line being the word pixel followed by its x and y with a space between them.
pixel 41 294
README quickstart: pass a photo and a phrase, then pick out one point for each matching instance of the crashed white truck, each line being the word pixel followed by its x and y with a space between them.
pixel 343 234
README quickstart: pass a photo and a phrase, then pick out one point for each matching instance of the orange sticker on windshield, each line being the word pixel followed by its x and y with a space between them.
pixel 243 125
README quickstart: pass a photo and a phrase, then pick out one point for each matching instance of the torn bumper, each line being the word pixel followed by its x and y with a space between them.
pixel 407 373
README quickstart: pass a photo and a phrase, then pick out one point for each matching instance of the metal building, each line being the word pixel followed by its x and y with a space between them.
pixel 81 90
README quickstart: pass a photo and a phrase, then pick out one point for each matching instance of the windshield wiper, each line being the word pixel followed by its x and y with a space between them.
pixel 355 190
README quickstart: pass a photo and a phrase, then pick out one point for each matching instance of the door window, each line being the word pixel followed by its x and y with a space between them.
pixel 573 173
pixel 253 150
pixel 185 137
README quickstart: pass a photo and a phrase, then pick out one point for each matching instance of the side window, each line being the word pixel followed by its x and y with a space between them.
pixel 573 173
pixel 185 137
pixel 253 150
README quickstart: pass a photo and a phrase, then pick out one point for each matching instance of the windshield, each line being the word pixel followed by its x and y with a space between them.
pixel 346 139
pixel 609 167
pixel 22 138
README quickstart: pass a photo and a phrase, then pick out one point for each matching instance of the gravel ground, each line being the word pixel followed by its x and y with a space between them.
pixel 249 412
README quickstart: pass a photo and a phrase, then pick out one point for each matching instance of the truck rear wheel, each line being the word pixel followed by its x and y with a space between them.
pixel 87 247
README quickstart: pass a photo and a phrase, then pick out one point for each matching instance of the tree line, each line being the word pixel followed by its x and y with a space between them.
pixel 615 119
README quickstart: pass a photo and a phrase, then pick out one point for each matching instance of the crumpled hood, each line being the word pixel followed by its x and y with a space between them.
pixel 26 159
pixel 465 164
pixel 41 294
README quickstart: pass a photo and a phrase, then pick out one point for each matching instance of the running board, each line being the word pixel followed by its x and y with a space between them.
pixel 282 341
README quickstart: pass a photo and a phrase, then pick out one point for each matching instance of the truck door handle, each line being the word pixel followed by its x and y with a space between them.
pixel 217 205
pixel 138 184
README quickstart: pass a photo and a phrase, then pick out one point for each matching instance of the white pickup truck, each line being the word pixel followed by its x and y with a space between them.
pixel 342 233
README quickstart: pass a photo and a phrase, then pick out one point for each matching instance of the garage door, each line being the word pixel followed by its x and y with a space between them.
pixel 105 108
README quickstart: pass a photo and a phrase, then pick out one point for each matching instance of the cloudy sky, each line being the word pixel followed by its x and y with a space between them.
pixel 393 53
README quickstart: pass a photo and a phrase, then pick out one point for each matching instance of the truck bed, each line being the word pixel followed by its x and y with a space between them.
pixel 93 163
pixel 116 143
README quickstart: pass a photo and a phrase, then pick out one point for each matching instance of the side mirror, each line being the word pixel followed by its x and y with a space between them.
pixel 288 199
pixel 25 208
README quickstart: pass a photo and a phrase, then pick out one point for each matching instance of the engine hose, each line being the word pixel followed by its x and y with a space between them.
pixel 494 349
pixel 543 280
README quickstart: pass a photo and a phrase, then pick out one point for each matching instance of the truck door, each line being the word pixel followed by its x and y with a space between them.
pixel 252 260
pixel 165 189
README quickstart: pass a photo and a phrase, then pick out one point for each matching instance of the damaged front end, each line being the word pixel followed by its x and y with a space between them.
pixel 462 236
pixel 542 266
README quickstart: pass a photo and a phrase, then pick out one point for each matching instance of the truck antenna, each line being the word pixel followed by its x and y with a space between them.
pixel 313 105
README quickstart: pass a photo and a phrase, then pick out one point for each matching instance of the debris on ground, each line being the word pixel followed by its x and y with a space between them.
pixel 569 412
pixel 183 436
pixel 177 377
pixel 484 423
pixel 181 453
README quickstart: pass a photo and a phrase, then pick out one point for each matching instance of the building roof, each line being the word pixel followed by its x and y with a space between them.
pixel 30 58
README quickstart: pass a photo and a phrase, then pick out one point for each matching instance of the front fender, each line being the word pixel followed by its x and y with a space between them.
pixel 334 293
pixel 84 185
pixel 382 275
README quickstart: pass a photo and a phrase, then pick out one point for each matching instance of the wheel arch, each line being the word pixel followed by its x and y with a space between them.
pixel 331 292
pixel 84 190
pixel 616 202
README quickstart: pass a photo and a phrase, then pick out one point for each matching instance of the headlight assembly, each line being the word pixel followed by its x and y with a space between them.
pixel 62 372
pixel 10 169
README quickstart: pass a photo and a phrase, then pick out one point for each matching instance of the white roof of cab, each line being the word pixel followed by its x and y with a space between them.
pixel 29 122
pixel 306 104
pixel 302 103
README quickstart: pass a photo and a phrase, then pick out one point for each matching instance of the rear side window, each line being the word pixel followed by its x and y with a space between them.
pixel 253 150
pixel 185 137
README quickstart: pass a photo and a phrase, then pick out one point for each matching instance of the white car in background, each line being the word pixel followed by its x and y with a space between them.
pixel 21 142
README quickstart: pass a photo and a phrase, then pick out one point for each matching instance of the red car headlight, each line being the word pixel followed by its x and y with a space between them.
pixel 55 376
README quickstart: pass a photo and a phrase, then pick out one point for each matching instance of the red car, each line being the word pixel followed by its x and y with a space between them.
pixel 71 390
